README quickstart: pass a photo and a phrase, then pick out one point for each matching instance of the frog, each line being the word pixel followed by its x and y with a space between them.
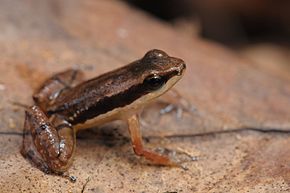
pixel 66 103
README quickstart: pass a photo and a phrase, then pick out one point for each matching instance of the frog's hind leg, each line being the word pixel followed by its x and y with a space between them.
pixel 56 85
pixel 48 145
pixel 28 149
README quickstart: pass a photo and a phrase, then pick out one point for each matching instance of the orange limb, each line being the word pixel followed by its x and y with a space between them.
pixel 136 138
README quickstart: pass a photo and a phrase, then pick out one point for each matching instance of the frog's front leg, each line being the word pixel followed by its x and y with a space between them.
pixel 53 141
pixel 136 137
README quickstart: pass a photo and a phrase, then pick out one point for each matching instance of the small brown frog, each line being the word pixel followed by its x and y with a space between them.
pixel 65 104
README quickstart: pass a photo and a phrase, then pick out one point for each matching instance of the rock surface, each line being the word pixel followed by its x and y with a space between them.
pixel 234 102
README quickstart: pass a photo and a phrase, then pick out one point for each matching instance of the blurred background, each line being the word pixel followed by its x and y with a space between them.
pixel 256 29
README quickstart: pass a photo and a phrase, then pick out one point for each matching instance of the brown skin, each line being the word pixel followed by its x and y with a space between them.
pixel 64 105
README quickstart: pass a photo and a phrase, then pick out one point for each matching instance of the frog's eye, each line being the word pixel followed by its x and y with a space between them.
pixel 154 82
pixel 154 54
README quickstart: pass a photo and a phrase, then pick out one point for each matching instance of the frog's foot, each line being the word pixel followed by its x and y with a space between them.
pixel 57 85
pixel 175 102
pixel 177 156
pixel 49 145
pixel 29 151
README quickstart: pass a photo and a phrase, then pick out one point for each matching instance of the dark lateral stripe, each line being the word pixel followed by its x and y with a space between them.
pixel 119 100
pixel 78 113
pixel 109 103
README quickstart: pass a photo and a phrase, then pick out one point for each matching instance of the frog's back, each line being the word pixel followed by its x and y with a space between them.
pixel 96 96
pixel 119 88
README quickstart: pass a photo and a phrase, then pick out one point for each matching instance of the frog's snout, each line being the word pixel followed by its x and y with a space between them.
pixel 181 69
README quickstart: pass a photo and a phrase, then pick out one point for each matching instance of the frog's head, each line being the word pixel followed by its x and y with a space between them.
pixel 158 71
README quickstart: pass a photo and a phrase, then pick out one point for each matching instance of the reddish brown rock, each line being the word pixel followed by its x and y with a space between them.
pixel 228 92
